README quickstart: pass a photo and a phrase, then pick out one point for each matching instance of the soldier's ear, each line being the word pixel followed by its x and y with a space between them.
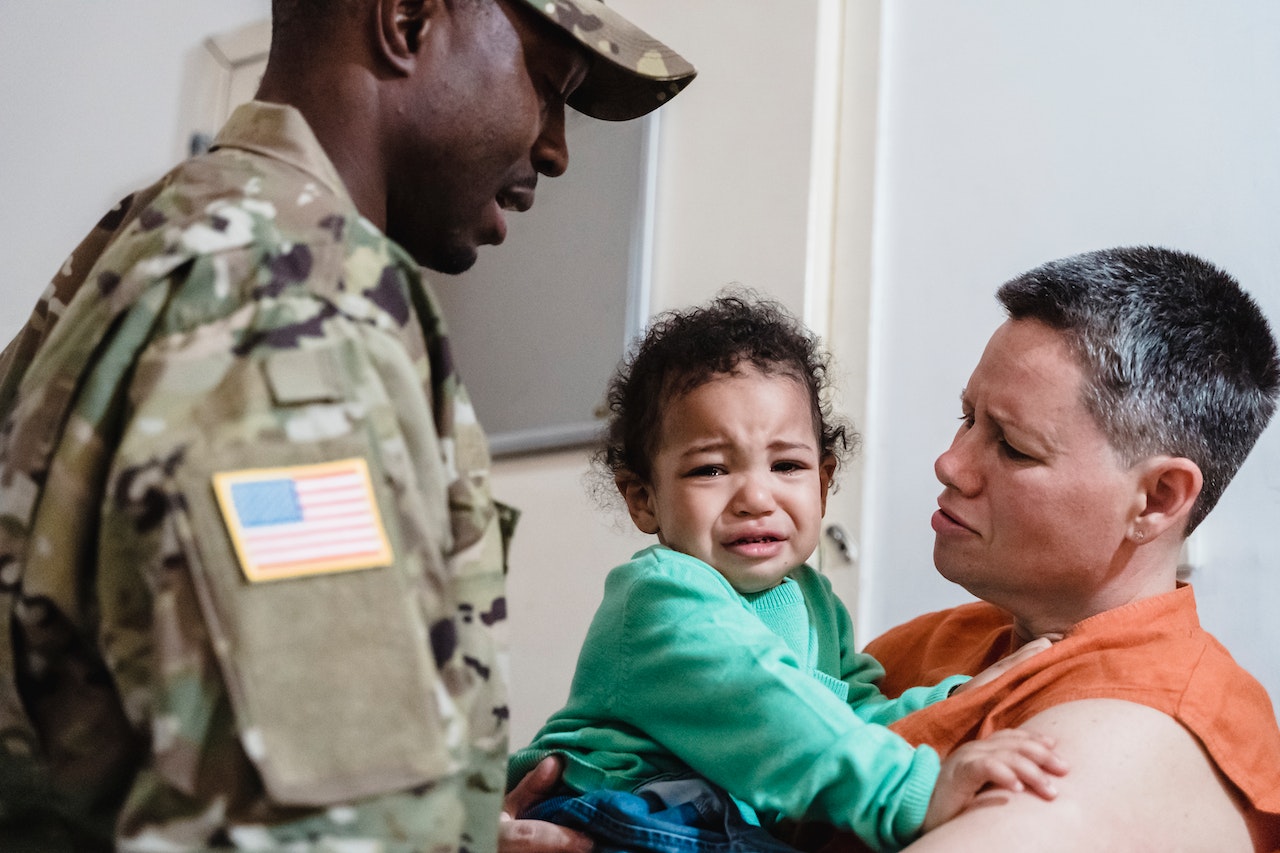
pixel 402 28
pixel 639 498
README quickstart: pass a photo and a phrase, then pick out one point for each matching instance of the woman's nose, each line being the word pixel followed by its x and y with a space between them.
pixel 953 468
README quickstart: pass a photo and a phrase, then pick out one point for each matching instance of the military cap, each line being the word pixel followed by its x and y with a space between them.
pixel 632 73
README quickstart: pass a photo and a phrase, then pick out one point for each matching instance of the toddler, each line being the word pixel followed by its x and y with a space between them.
pixel 719 690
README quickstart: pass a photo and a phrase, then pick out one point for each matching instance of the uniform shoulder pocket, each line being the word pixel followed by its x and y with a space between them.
pixel 312 602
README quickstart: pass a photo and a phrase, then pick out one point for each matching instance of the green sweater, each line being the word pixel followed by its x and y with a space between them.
pixel 763 695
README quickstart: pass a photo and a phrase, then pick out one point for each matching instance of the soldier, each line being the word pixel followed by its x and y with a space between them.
pixel 251 575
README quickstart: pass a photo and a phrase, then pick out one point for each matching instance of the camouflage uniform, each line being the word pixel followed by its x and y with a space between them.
pixel 236 316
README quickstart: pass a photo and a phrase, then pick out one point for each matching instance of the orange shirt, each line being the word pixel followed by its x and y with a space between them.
pixel 1152 652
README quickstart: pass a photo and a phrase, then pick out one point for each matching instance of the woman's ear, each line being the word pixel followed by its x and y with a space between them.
pixel 401 27
pixel 639 499
pixel 1169 487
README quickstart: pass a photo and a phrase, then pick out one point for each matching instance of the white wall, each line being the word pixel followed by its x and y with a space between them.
pixel 1012 133
pixel 96 99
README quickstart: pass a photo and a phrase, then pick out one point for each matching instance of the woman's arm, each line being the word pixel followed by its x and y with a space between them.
pixel 1138 781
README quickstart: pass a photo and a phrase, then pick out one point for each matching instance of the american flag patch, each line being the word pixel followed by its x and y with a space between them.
pixel 303 519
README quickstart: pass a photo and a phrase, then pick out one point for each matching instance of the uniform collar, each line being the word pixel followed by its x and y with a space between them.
pixel 280 132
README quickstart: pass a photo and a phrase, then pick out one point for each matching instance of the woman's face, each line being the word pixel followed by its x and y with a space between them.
pixel 1036 504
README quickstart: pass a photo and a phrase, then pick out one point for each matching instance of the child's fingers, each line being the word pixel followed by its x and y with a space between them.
pixel 1030 775
pixel 1029 649
pixel 994 771
pixel 1037 747
pixel 1015 759
pixel 1010 759
pixel 1002 666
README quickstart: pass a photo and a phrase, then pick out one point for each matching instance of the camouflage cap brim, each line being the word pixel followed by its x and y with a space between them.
pixel 631 74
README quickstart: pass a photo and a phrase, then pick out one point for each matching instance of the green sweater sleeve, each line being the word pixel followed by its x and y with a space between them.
pixel 861 672
pixel 676 659
pixel 871 705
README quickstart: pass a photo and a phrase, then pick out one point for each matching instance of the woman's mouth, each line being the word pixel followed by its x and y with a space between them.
pixel 944 522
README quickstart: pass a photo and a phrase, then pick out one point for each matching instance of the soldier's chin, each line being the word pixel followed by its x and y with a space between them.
pixel 450 260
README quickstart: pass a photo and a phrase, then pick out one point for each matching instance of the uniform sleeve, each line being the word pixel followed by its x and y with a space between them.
pixel 710 682
pixel 83 669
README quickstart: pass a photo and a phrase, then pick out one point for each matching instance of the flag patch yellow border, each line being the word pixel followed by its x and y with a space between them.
pixel 301 520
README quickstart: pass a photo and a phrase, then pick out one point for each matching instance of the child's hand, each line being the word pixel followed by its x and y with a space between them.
pixel 1012 759
pixel 1003 665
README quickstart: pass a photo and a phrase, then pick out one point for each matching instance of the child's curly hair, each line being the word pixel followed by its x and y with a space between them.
pixel 684 349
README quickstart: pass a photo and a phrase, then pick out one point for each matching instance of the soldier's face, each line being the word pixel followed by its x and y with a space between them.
pixel 486 117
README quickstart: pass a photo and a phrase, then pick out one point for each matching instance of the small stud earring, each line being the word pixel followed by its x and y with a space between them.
pixel 1139 535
